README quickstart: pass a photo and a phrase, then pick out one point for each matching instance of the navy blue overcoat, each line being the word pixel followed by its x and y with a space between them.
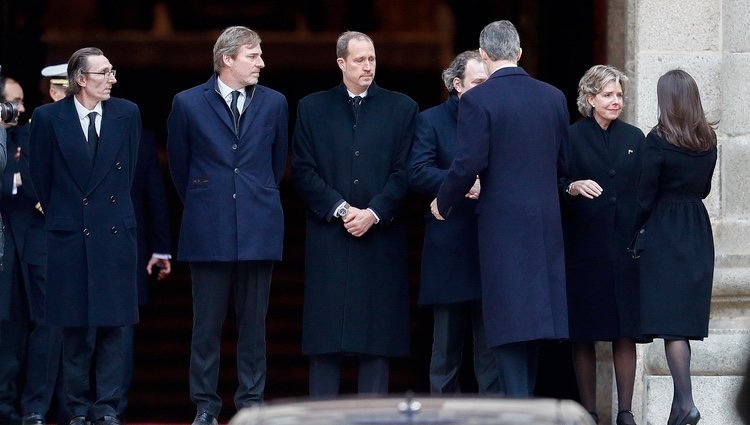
pixel 228 183
pixel 91 227
pixel 450 254
pixel 513 132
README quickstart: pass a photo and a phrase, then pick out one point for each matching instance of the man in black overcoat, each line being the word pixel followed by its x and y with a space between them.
pixel 349 159
pixel 83 152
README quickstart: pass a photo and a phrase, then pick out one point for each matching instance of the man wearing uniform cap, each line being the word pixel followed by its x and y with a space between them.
pixel 58 83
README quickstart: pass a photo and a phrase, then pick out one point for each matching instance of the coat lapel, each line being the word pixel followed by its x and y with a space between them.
pixel 253 104
pixel 213 98
pixel 73 143
pixel 110 142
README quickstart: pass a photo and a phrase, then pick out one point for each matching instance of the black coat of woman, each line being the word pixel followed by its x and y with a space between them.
pixel 602 278
pixel 677 248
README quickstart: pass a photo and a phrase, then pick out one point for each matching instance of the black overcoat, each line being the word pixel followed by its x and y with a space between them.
pixel 91 227
pixel 677 261
pixel 450 254
pixel 602 278
pixel 356 292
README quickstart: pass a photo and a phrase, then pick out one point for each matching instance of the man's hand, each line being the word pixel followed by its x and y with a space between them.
pixel 166 267
pixel 435 211
pixel 357 222
pixel 474 191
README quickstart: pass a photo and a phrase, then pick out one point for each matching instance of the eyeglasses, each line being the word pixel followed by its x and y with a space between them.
pixel 106 74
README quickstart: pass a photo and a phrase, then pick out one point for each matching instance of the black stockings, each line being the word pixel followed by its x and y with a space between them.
pixel 678 359
pixel 624 358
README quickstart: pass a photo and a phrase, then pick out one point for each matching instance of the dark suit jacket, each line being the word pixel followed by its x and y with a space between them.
pixel 91 227
pixel 450 255
pixel 228 184
pixel 513 132
pixel 151 211
pixel 356 289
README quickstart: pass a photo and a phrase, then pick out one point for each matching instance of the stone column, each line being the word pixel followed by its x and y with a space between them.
pixel 710 39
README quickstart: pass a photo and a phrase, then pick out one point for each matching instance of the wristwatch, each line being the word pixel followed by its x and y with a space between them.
pixel 567 189
pixel 343 210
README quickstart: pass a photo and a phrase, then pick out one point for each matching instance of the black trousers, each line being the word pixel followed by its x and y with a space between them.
pixel 98 350
pixel 449 333
pixel 212 287
pixel 44 355
pixel 325 374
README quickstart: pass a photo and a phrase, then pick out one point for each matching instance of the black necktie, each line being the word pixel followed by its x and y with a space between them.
pixel 235 111
pixel 93 136
pixel 356 102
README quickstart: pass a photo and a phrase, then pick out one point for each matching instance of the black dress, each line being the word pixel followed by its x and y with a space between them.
pixel 602 278
pixel 677 258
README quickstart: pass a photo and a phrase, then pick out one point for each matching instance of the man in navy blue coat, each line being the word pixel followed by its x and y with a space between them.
pixel 450 255
pixel 512 132
pixel 83 152
pixel 227 149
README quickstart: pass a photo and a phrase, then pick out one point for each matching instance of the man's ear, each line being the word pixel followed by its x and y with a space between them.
pixel 520 52
pixel 342 63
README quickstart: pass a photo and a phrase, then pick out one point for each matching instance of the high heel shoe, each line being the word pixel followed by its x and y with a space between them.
pixel 625 417
pixel 692 418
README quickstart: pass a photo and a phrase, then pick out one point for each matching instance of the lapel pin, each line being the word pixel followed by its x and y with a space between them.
pixel 630 151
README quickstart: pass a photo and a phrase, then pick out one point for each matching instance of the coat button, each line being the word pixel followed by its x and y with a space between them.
pixel 356 181
pixel 612 173
pixel 85 201
pixel 354 126
pixel 86 232
pixel 113 199
pixel 118 165
pixel 356 153
pixel 234 147
pixel 234 196
pixel 114 230
pixel 236 171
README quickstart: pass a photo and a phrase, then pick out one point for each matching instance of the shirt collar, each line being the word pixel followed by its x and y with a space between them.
pixel 225 90
pixel 363 94
pixel 83 112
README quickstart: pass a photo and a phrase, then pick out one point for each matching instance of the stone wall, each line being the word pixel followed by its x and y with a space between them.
pixel 710 39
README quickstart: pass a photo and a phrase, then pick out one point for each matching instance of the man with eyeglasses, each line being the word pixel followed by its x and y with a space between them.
pixel 83 154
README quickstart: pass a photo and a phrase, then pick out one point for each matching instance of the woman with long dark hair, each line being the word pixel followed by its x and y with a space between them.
pixel 674 238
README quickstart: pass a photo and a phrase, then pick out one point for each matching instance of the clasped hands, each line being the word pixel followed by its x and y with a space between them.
pixel 358 221
pixel 473 193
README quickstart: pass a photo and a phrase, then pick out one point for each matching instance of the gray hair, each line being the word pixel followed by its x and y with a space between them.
pixel 457 68
pixel 230 41
pixel 592 83
pixel 500 41
pixel 342 43
pixel 77 66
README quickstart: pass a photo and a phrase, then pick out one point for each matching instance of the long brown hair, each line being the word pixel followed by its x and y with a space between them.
pixel 682 121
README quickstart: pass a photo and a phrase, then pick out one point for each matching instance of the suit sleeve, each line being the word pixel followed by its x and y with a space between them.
pixel 388 202
pixel 178 146
pixel 424 175
pixel 648 185
pixel 473 154
pixel 281 143
pixel 40 156
pixel 3 149
pixel 319 196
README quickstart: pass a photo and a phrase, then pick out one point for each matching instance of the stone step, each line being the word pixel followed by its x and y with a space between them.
pixel 725 352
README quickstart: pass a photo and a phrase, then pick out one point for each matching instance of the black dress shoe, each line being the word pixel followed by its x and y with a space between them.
pixel 33 418
pixel 204 418
pixel 107 420
pixel 78 420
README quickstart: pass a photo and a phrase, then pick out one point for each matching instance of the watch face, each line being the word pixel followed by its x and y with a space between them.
pixel 342 212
